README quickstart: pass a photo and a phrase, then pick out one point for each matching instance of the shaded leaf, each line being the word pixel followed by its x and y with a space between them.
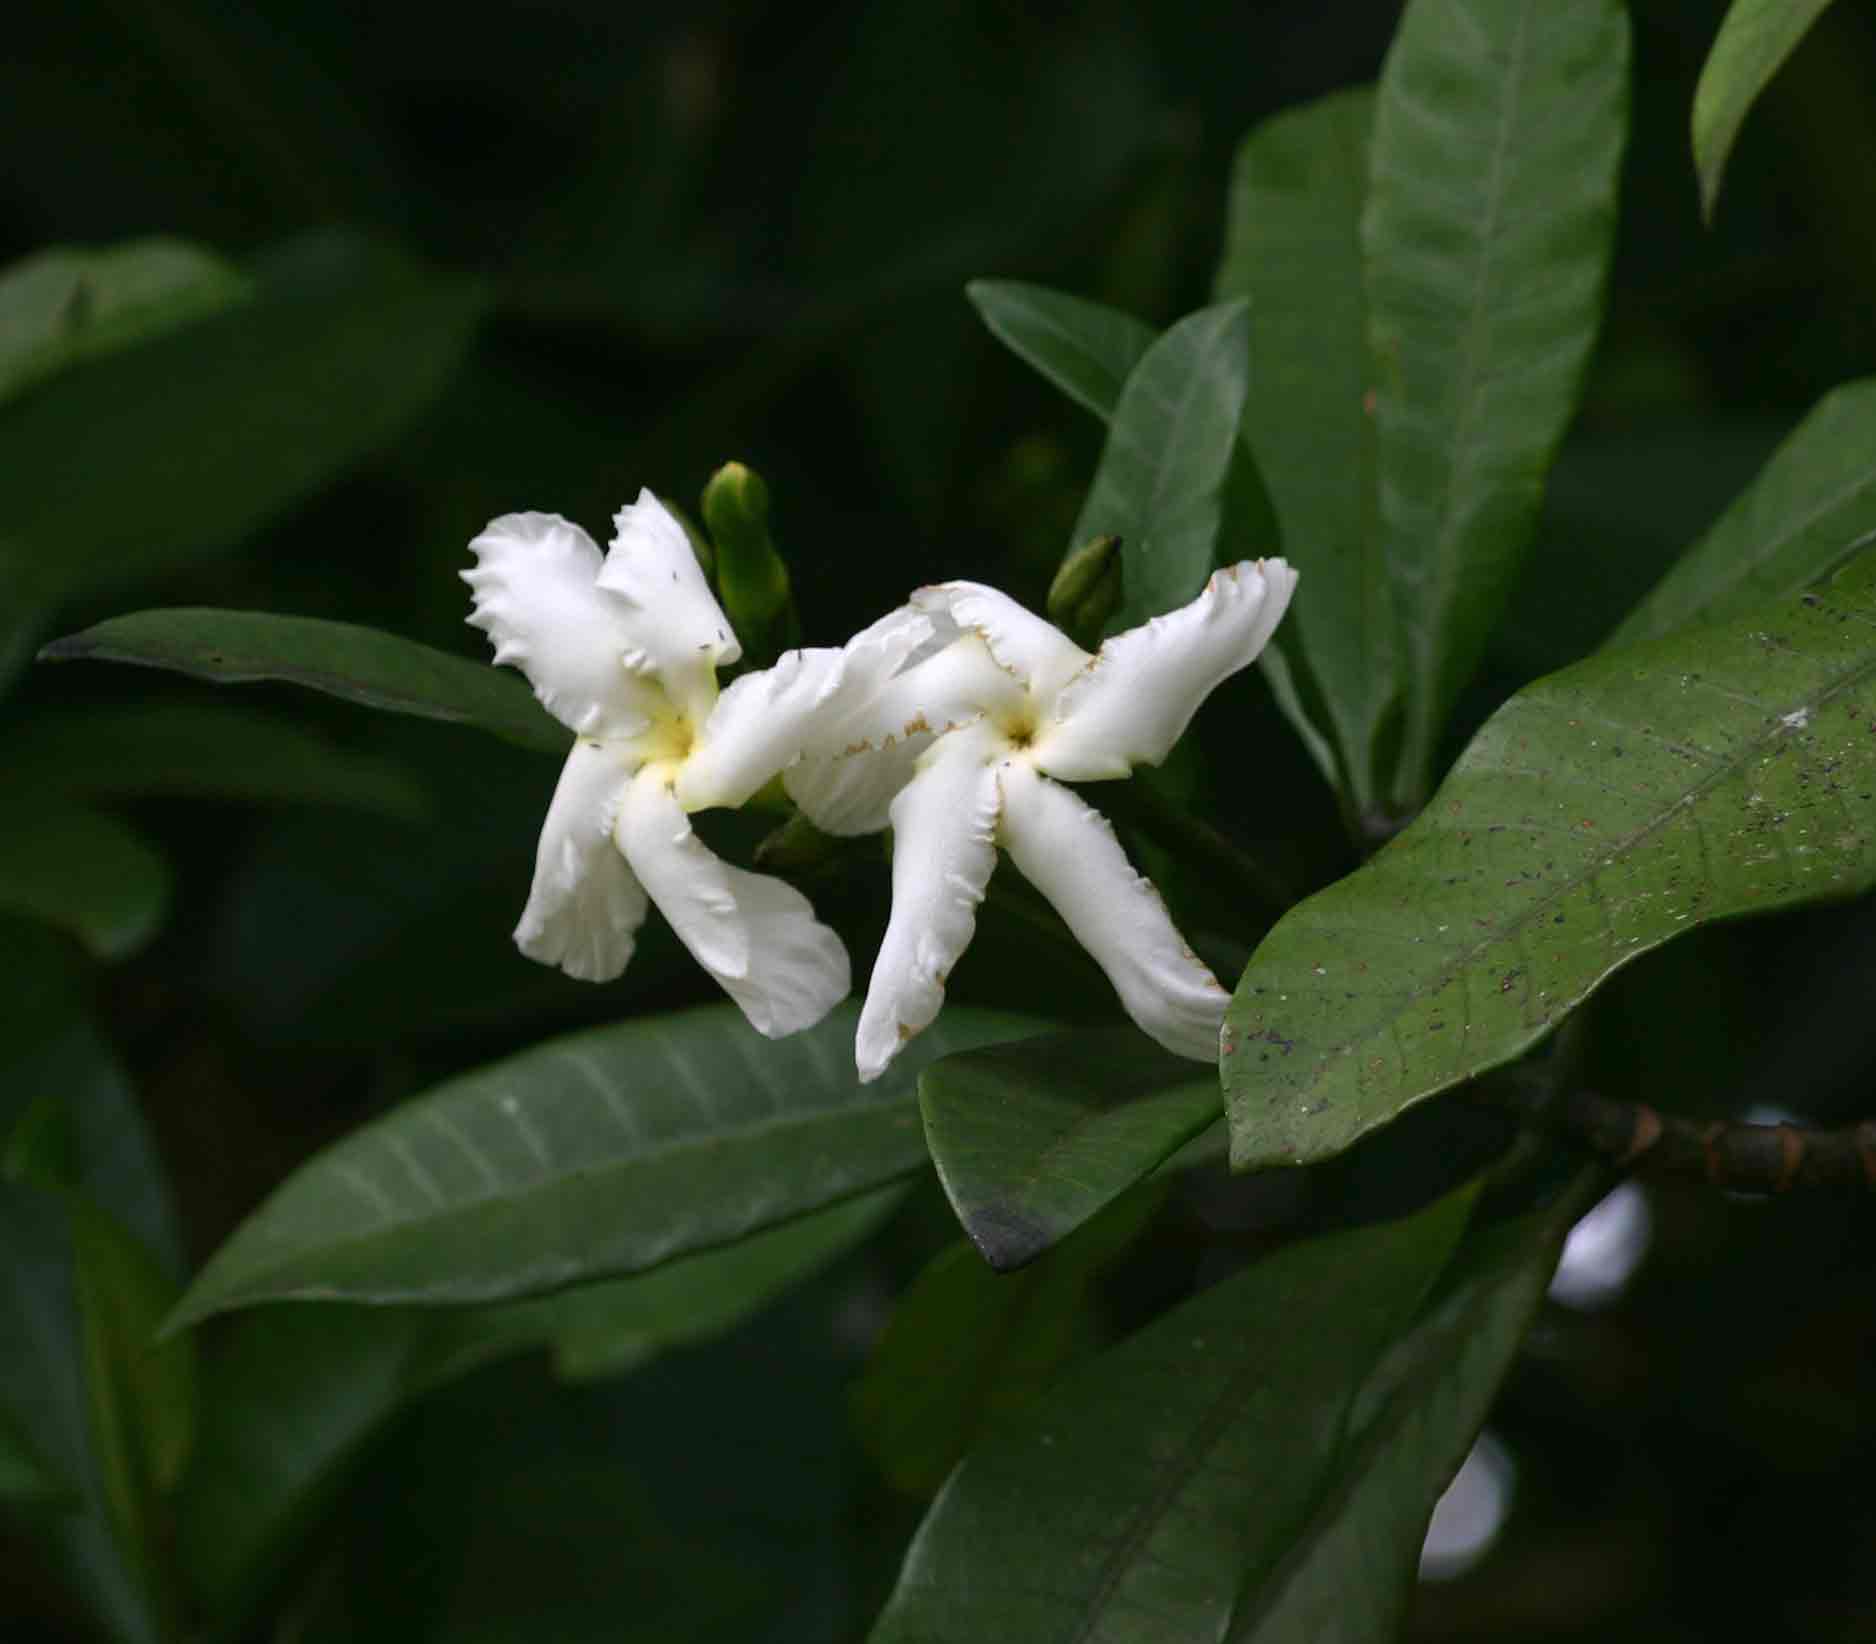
pixel 1487 233
pixel 26 1483
pixel 84 872
pixel 1293 249
pixel 596 1154
pixel 1810 508
pixel 1085 348
pixel 1602 811
pixel 1752 45
pixel 1164 1477
pixel 363 665
pixel 68 304
pixel 1032 1138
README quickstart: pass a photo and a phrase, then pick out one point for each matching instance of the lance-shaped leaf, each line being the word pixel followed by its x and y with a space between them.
pixel 1806 512
pixel 1602 811
pixel 597 1154
pixel 1293 248
pixel 1086 349
pixel 362 665
pixel 1753 43
pixel 82 871
pixel 1032 1138
pixel 1352 1563
pixel 1162 1478
pixel 1490 216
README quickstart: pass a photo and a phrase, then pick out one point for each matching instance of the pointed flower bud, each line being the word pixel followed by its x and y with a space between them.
pixel 751 575
pixel 1087 590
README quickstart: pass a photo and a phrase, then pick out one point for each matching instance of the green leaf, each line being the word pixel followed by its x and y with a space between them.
pixel 1491 213
pixel 202 750
pixel 967 1344
pixel 1086 349
pixel 83 872
pixel 1810 508
pixel 1164 1477
pixel 600 1153
pixel 1032 1138
pixel 26 1483
pixel 69 304
pixel 1602 811
pixel 356 664
pixel 1176 483
pixel 1353 1562
pixel 157 456
pixel 1753 43
pixel 1293 249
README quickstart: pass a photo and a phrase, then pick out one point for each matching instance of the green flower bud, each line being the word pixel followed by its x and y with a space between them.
pixel 1087 590
pixel 752 578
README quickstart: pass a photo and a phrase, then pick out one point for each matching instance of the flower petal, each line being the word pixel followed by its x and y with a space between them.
pixel 1032 650
pixel 1067 850
pixel 765 721
pixel 679 632
pixel 944 829
pixel 852 793
pixel 585 905
pixel 1135 699
pixel 757 936
pixel 536 598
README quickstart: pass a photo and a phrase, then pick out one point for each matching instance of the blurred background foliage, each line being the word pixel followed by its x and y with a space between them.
pixel 455 263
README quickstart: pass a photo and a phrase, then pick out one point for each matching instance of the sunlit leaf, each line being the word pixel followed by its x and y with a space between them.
pixel 1293 248
pixel 1490 216
pixel 1085 348
pixel 1163 1478
pixel 1032 1138
pixel 1810 508
pixel 1602 811
pixel 1753 43
pixel 362 665
pixel 82 871
pixel 597 1154
pixel 65 305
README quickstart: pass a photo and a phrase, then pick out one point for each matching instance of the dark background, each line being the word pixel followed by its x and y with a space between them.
pixel 717 232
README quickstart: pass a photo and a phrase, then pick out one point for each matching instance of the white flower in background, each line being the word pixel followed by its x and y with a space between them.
pixel 624 652
pixel 963 746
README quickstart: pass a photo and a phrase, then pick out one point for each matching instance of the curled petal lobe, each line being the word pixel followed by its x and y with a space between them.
pixel 952 686
pixel 1029 648
pixel 678 630
pixel 1136 697
pixel 852 793
pixel 757 936
pixel 585 906
pixel 536 598
pixel 1068 851
pixel 944 848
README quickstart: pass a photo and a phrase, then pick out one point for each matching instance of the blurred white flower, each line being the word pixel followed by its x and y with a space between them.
pixel 958 751
pixel 624 652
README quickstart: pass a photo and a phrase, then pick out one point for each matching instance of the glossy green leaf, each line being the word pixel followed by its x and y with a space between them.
pixel 362 665
pixel 1753 43
pixel 1032 1138
pixel 1353 1562
pixel 597 1154
pixel 1491 212
pixel 1293 249
pixel 157 456
pixel 1164 1477
pixel 967 1344
pixel 1722 770
pixel 65 305
pixel 1806 512
pixel 202 750
pixel 1085 348
pixel 83 872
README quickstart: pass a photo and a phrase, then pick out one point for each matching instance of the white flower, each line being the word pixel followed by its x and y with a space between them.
pixel 624 652
pixel 980 728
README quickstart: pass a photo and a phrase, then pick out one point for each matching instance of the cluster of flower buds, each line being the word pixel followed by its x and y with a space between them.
pixel 954 721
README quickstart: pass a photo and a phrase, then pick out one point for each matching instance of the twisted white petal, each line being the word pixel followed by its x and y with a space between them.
pixel 536 598
pixel 1028 648
pixel 585 905
pixel 944 847
pixel 1068 851
pixel 757 936
pixel 1135 699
